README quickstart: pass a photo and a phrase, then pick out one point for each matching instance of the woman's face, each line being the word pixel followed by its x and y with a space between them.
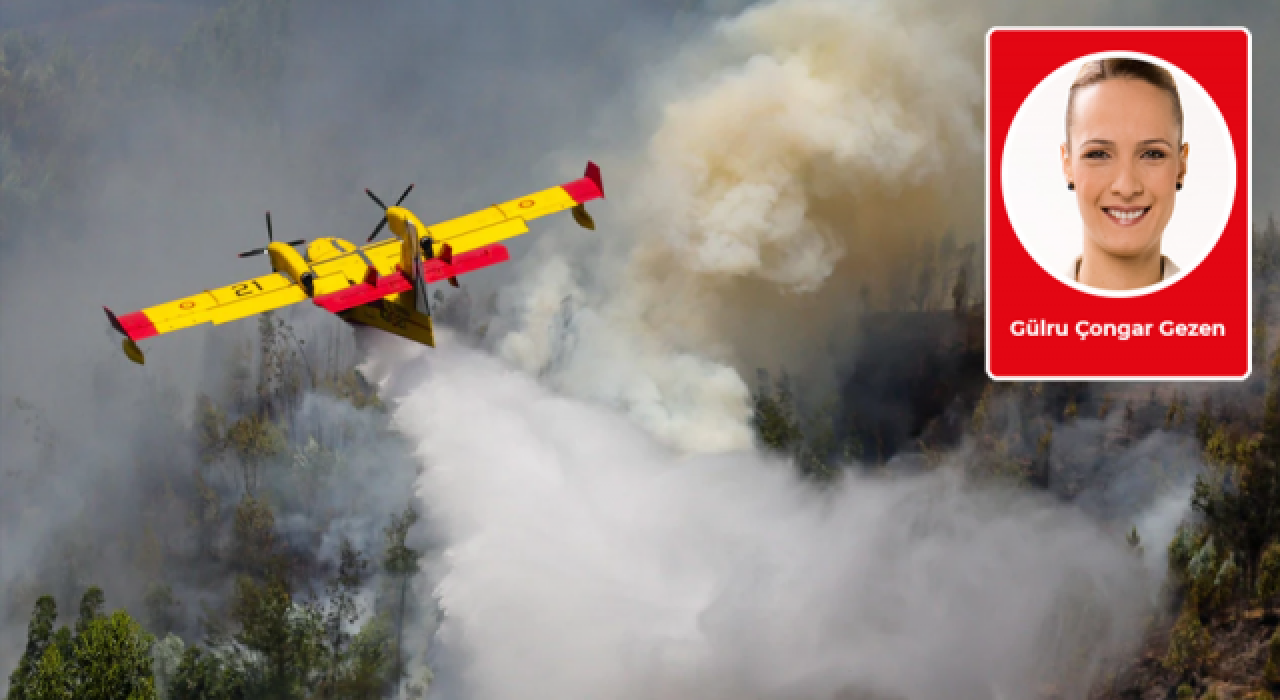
pixel 1125 160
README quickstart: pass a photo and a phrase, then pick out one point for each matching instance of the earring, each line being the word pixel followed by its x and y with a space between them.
pixel 1072 186
pixel 1178 187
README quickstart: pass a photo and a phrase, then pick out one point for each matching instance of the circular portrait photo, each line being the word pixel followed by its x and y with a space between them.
pixel 1118 174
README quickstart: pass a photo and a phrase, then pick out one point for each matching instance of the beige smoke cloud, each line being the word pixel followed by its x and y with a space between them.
pixel 802 152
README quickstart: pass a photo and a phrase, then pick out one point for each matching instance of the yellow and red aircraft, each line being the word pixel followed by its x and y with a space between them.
pixel 378 284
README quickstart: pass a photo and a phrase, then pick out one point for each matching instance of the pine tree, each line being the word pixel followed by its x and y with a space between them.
pixel 773 414
pixel 39 638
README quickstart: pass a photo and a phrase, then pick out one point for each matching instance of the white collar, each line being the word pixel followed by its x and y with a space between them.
pixel 1167 267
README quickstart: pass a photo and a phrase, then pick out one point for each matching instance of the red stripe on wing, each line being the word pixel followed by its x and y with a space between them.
pixel 364 292
pixel 437 269
pixel 587 187
pixel 135 325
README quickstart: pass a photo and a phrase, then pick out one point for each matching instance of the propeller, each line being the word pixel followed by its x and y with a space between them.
pixel 377 201
pixel 270 239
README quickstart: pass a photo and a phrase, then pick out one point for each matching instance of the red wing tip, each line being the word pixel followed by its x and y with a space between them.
pixel 587 187
pixel 592 173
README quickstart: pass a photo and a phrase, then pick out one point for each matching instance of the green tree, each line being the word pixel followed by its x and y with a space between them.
pixel 366 675
pixel 343 610
pixel 253 538
pixel 1134 540
pixel 53 678
pixel 39 639
pixel 202 676
pixel 254 440
pixel 402 562
pixel 288 637
pixel 1271 672
pixel 90 608
pixel 773 415
pixel 1240 497
pixel 113 660
pixel 1188 643
pixel 1269 573
pixel 210 429
pixel 1204 421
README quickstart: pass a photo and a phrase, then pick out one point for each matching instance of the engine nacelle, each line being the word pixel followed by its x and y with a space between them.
pixel 288 262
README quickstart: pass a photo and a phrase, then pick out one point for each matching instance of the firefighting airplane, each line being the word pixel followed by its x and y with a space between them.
pixel 375 285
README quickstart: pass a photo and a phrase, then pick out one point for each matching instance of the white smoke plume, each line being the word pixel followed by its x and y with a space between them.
pixel 803 150
pixel 585 559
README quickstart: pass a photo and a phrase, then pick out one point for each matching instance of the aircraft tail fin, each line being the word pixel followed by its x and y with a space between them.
pixel 393 318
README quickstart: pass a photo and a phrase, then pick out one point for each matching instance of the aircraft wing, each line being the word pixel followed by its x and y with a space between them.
pixel 221 305
pixel 502 221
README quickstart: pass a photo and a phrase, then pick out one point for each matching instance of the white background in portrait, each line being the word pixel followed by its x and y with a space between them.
pixel 1044 213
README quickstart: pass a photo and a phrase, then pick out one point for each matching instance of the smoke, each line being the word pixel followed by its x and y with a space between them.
pixel 789 168
pixel 586 559
pixel 803 150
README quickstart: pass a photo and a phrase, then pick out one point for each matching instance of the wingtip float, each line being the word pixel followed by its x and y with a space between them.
pixel 135 329
pixel 382 284
pixel 589 186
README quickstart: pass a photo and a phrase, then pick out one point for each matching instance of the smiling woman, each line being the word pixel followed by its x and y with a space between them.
pixel 1094 206
pixel 1125 159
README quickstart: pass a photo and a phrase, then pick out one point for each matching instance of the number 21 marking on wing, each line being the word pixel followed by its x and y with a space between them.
pixel 243 290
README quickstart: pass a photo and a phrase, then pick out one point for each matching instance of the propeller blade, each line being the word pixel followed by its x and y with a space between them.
pixel 406 194
pixel 376 230
pixel 300 241
pixel 374 197
pixel 251 253
pixel 269 238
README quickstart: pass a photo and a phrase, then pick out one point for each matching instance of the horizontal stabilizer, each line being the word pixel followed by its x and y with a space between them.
pixel 460 264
